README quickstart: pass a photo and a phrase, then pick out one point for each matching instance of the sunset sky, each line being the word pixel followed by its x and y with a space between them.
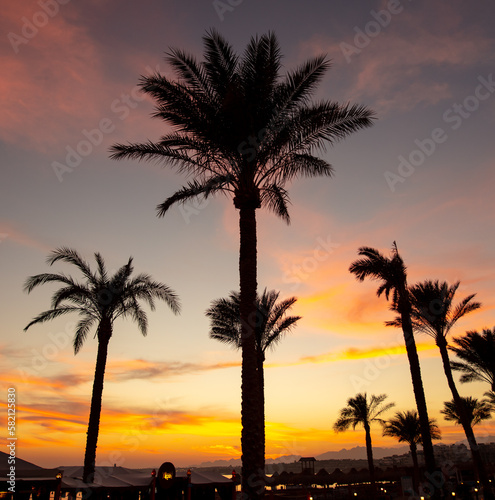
pixel 423 176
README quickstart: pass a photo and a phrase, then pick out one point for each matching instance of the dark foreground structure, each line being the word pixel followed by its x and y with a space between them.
pixel 119 483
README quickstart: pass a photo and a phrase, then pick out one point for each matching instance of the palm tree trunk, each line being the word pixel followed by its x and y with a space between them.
pixel 466 424
pixel 253 459
pixel 414 456
pixel 261 374
pixel 104 334
pixel 419 393
pixel 369 454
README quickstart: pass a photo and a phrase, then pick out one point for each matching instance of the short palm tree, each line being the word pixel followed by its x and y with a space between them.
pixel 98 300
pixel 405 427
pixel 477 354
pixel 271 325
pixel 392 275
pixel 433 312
pixel 241 128
pixel 477 411
pixel 363 411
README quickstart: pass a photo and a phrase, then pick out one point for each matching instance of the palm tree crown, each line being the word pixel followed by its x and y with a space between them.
pixel 433 311
pixel 361 411
pixel 405 427
pixel 238 127
pixel 476 410
pixel 272 321
pixel 99 300
pixel 477 354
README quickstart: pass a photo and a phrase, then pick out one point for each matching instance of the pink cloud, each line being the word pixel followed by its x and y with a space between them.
pixel 10 233
pixel 392 67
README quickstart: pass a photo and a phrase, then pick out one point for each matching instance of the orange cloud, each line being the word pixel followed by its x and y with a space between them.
pixel 353 353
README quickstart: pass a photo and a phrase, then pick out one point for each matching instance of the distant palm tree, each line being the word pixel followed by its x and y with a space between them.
pixel 242 129
pixel 99 300
pixel 477 352
pixel 433 312
pixel 361 411
pixel 476 410
pixel 405 427
pixel 271 324
pixel 391 272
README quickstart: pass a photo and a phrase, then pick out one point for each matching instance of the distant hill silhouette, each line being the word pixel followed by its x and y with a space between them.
pixel 356 453
pixel 359 453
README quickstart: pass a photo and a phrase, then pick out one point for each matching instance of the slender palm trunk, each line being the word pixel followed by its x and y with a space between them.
pixel 419 393
pixel 253 466
pixel 261 374
pixel 104 334
pixel 414 456
pixel 466 424
pixel 369 454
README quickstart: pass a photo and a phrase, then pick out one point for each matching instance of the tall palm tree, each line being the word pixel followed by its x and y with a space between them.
pixel 477 354
pixel 433 312
pixel 391 272
pixel 476 410
pixel 361 411
pixel 405 426
pixel 242 129
pixel 99 300
pixel 271 324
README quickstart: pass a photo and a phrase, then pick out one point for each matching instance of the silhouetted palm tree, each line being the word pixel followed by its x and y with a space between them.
pixel 391 272
pixel 433 312
pixel 241 129
pixel 406 428
pixel 271 324
pixel 477 352
pixel 475 410
pixel 361 411
pixel 98 300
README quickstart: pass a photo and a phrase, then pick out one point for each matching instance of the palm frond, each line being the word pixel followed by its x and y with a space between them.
pixel 52 314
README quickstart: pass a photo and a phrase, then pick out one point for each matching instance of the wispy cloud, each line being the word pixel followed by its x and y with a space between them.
pixel 396 69
pixel 143 369
pixel 10 233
